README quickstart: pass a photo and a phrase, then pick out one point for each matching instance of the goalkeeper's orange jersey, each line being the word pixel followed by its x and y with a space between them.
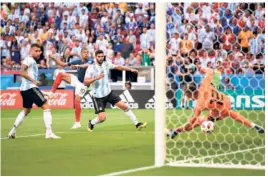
pixel 209 98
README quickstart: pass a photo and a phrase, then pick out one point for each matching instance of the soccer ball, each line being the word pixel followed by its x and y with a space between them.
pixel 207 127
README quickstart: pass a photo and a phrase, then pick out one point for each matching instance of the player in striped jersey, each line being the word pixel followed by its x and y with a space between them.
pixel 31 94
pixel 77 82
pixel 97 74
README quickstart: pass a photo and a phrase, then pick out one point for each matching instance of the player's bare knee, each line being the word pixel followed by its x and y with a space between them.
pixel 26 111
pixel 122 106
pixel 102 116
pixel 45 106
pixel 125 108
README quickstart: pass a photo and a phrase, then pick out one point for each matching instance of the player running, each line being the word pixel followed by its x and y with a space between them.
pixel 77 82
pixel 31 94
pixel 97 74
pixel 209 98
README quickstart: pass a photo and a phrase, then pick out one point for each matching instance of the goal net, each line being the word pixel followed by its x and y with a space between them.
pixel 229 38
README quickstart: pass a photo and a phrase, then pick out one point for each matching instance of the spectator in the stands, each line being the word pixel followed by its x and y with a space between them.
pixel 103 43
pixel 127 48
pixel 76 50
pixel 186 45
pixel 244 36
pixel 25 49
pixel 128 85
pixel 43 79
pixel 151 32
pixel 208 39
pixel 254 45
pixel 145 39
pixel 132 38
pixel 110 52
pixel 175 44
pixel 132 59
pixel 119 60
pixel 146 60
pixel 15 50
pixel 227 84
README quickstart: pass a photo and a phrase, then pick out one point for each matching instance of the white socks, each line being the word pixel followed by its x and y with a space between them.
pixel 131 115
pixel 18 121
pixel 95 121
pixel 48 120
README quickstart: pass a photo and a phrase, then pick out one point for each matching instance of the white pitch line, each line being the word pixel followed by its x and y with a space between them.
pixel 42 134
pixel 69 132
pixel 64 118
pixel 130 171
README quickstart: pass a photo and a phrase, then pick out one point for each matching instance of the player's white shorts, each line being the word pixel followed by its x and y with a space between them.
pixel 80 88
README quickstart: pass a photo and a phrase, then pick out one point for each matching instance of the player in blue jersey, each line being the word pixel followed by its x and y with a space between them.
pixel 97 74
pixel 77 82
pixel 31 94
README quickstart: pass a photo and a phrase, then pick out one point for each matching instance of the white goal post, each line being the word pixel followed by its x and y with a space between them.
pixel 160 89
pixel 231 145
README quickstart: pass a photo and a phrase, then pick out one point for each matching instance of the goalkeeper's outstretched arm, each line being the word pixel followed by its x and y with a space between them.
pixel 192 122
pixel 209 73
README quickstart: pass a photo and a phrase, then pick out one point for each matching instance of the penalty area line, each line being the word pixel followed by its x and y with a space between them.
pixel 130 171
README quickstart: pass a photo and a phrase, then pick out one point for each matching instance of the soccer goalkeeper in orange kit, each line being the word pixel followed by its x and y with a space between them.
pixel 209 98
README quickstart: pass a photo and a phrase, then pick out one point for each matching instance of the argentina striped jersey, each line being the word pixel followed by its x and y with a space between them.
pixel 100 88
pixel 32 71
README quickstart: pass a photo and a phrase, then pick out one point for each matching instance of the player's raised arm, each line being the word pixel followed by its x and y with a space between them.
pixel 85 65
pixel 81 66
pixel 81 63
pixel 58 62
pixel 89 77
pixel 119 67
pixel 208 72
pixel 23 73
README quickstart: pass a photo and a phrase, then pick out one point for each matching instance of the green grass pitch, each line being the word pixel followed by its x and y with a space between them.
pixel 113 146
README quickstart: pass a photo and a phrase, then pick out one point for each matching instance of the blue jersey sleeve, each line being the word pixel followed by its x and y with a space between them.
pixel 74 62
pixel 90 61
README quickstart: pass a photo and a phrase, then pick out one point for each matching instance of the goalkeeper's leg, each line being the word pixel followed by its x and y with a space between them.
pixel 239 118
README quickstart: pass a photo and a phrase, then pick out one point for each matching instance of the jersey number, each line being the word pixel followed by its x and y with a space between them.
pixel 82 91
pixel 216 97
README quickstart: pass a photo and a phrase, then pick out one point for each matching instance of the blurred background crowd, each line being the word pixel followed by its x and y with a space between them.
pixel 124 31
pixel 228 37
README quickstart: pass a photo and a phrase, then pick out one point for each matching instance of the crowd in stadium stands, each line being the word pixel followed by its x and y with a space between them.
pixel 228 37
pixel 124 31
